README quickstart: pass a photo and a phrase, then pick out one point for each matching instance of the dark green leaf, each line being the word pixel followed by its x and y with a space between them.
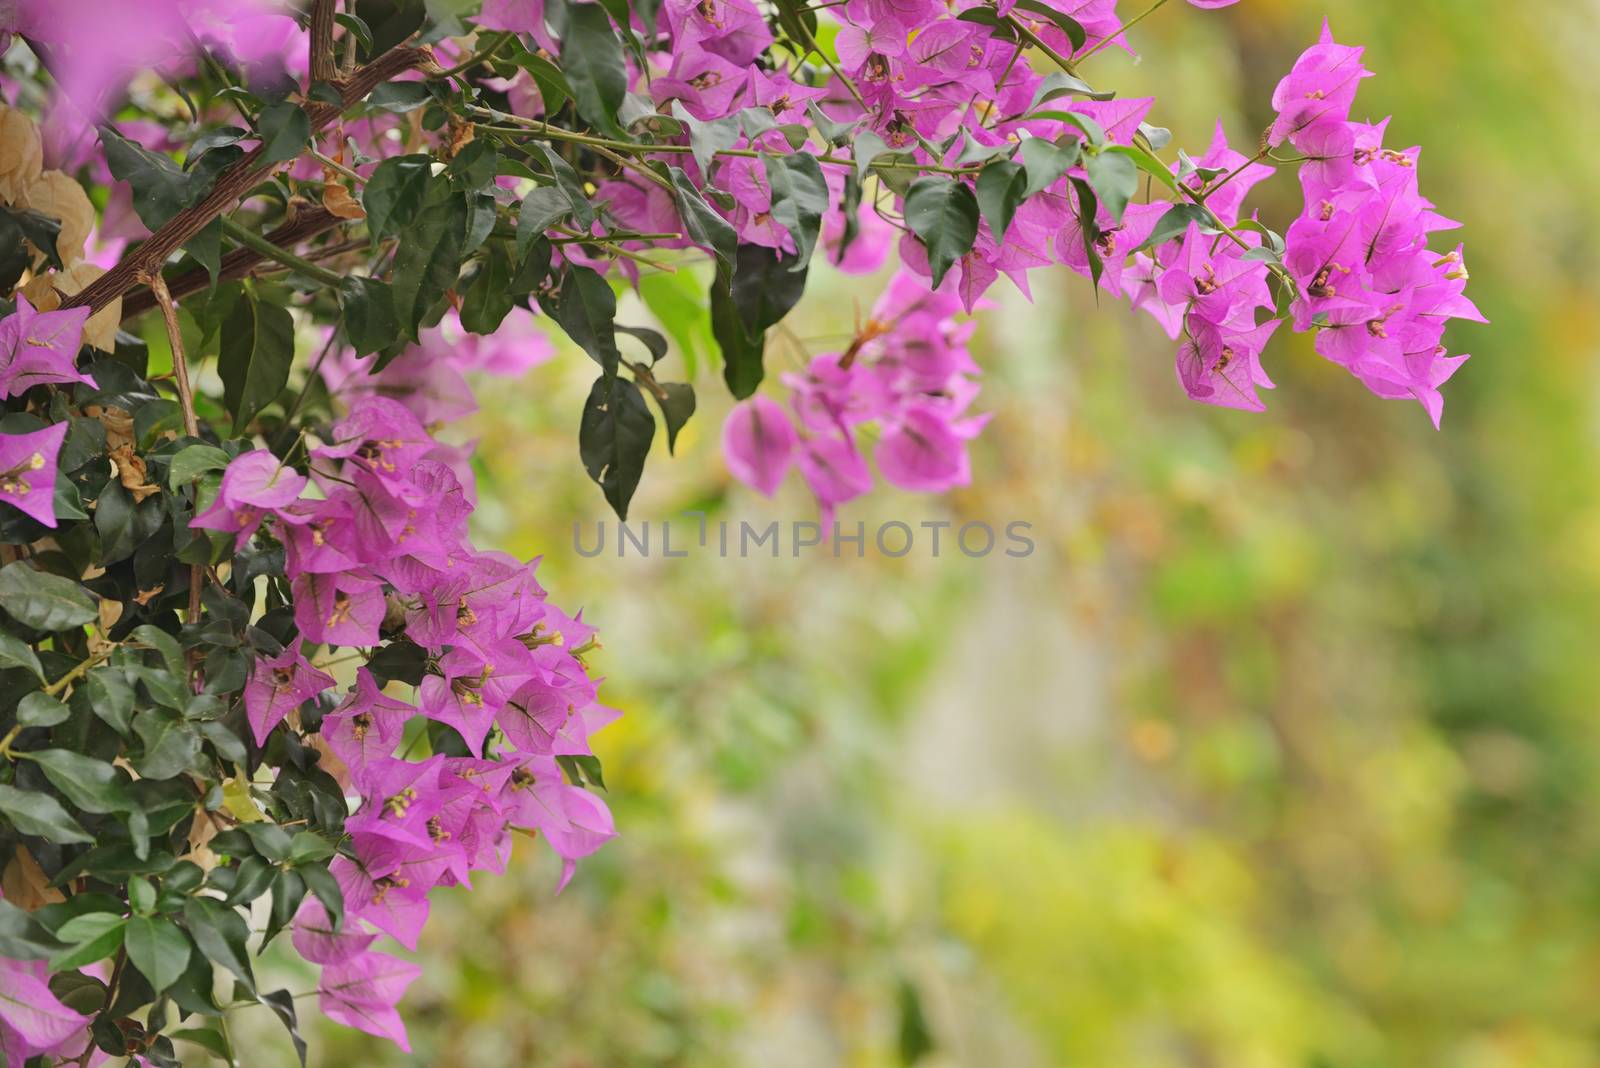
pixel 1067 24
pixel 16 653
pixel 586 308
pixel 222 935
pixel 541 209
pixel 158 948
pixel 369 319
pixel 160 189
pixel 799 200
pixel 1114 178
pixel 1046 162
pixel 944 214
pixel 39 709
pixel 111 698
pixel 591 58
pixel 701 221
pixel 41 815
pixel 281 1002
pixel 257 351
pixel 399 97
pixel 394 194
pixel 43 601
pixel 92 785
pixel 284 130
pixel 428 260
pixel 570 185
pixel 1175 223
pixel 614 438
pixel 1001 188
pixel 170 744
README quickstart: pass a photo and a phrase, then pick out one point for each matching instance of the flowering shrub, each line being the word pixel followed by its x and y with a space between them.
pixel 253 663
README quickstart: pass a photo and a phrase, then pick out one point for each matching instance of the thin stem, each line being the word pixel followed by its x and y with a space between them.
pixel 496 42
pixel 618 250
pixel 78 672
pixel 254 241
pixel 1126 26
pixel 191 424
pixel 1231 175
pixel 532 127
pixel 334 165
pixel 1038 42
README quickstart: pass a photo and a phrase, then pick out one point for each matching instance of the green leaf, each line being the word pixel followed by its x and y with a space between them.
pixel 799 200
pixel 160 189
pixel 1001 189
pixel 210 1039
pixel 92 785
pixel 41 815
pixel 16 653
pixel 488 299
pixel 677 403
pixel 44 601
pixel 1067 24
pixel 704 226
pixel 570 185
pixel 206 248
pixel 1046 162
pixel 614 438
pixel 1114 178
pixel 761 292
pixel 591 58
pixel 1147 163
pixel 369 319
pixel 1093 131
pixel 867 148
pixel 322 883
pixel 170 744
pixel 399 97
pixel 428 260
pixel 1175 223
pixel 193 461
pixel 111 698
pixel 281 1002
pixel 165 645
pixel 91 937
pixel 586 308
pixel 284 130
pixel 257 351
pixel 158 948
pixel 944 214
pixel 1059 84
pixel 39 709
pixel 394 194
pixel 707 137
pixel 541 209
pixel 222 936
pixel 122 523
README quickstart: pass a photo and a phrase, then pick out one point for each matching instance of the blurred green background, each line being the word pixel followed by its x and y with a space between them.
pixel 1280 751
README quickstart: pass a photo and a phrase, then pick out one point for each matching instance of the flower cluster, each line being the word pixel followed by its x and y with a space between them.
pixel 378 554
pixel 908 372
pixel 1378 297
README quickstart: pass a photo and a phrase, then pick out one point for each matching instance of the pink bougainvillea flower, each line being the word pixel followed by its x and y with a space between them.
pixel 318 941
pixel 365 727
pixel 362 992
pixel 278 686
pixel 33 1021
pixel 38 347
pixel 758 444
pixel 28 471
pixel 255 484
